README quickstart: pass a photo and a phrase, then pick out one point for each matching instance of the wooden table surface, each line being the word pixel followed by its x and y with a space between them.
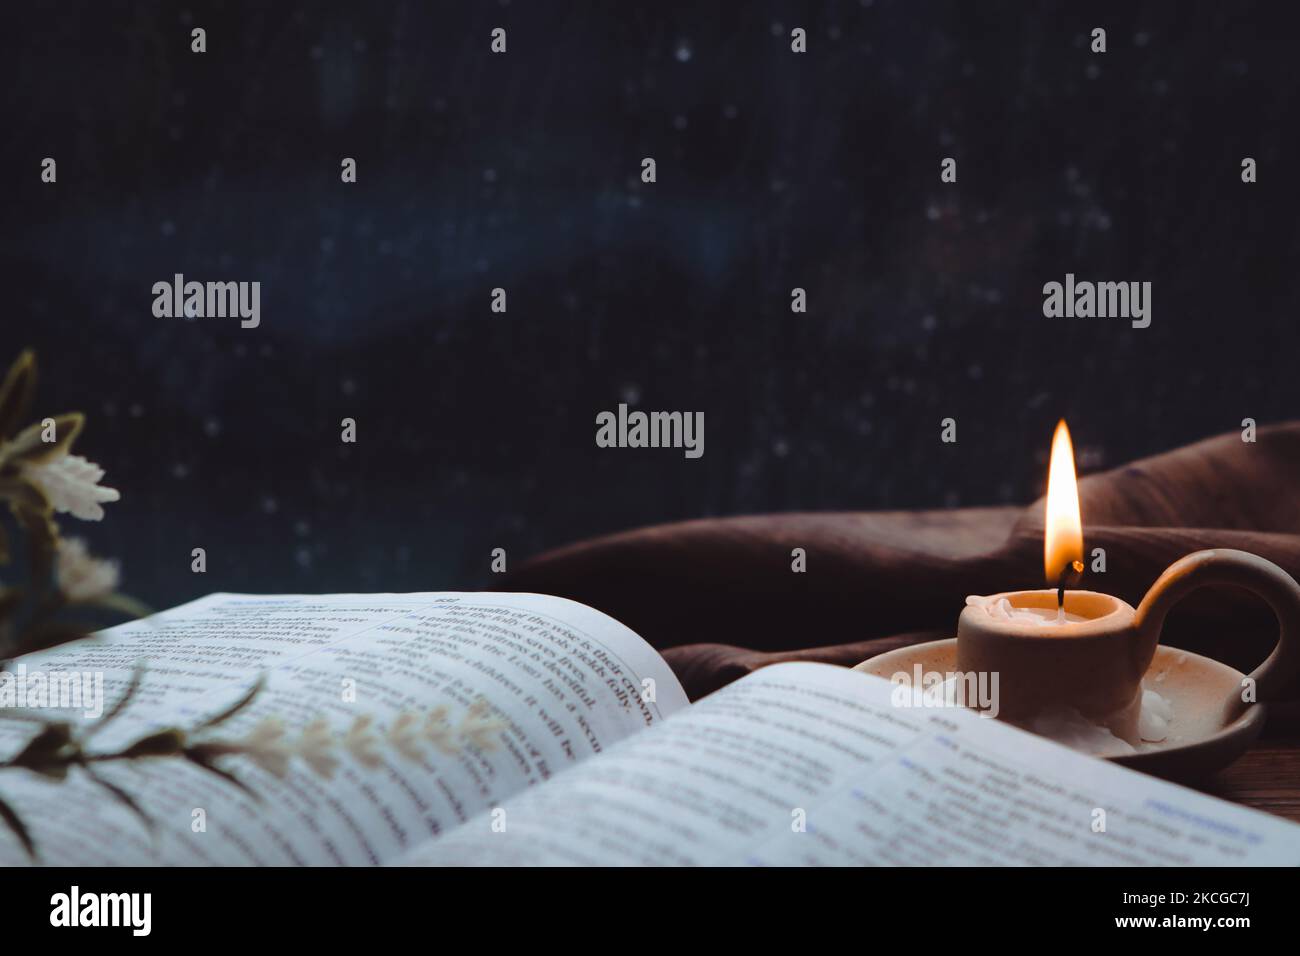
pixel 1266 778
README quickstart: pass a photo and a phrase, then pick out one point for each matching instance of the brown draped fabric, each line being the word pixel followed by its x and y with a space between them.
pixel 719 598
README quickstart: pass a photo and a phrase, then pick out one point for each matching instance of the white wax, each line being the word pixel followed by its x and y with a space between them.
pixel 1067 726
pixel 1155 716
pixel 1004 610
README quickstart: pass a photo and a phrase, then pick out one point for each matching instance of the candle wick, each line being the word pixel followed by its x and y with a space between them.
pixel 1060 590
pixel 1070 566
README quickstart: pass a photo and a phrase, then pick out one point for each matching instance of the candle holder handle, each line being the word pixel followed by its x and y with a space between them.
pixel 1241 569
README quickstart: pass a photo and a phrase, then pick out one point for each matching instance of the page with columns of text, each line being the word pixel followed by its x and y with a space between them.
pixel 563 682
pixel 811 764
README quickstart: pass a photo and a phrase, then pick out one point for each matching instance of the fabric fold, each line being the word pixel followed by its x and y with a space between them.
pixel 718 596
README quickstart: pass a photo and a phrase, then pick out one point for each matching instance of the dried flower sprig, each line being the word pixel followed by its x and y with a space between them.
pixel 39 477
pixel 270 746
pixel 61 747
pixel 480 728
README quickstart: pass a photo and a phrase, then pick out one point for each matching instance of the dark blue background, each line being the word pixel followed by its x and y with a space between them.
pixel 774 170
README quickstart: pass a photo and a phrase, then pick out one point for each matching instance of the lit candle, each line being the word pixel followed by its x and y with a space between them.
pixel 1062 544
pixel 1075 653
pixel 1063 534
pixel 1070 664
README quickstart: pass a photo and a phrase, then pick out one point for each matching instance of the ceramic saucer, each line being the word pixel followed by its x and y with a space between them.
pixel 1203 736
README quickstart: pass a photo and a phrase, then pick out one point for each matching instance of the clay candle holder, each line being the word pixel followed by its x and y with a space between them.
pixel 1094 664
pixel 1071 664
pixel 1080 655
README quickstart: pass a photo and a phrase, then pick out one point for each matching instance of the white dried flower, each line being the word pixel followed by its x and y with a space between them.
pixel 479 727
pixel 402 735
pixel 82 577
pixel 265 745
pixel 439 731
pixel 72 485
pixel 316 748
pixel 362 744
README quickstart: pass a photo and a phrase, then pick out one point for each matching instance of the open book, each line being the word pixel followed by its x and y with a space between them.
pixel 593 756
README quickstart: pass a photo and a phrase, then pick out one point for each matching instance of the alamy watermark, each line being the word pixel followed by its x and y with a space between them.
pixel 200 300
pixel 921 688
pixel 53 690
pixel 133 911
pixel 1085 300
pixel 635 429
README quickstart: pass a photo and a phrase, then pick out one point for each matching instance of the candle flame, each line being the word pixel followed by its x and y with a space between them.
pixel 1063 539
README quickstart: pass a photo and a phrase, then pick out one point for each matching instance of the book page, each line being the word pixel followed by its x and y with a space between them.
pixel 806 763
pixel 565 681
